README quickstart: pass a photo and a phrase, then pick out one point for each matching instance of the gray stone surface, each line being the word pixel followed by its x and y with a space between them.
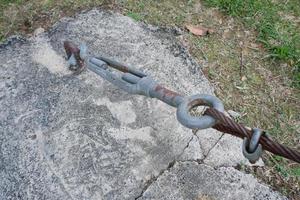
pixel 190 180
pixel 79 137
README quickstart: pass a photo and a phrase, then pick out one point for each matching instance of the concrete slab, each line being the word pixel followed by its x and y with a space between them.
pixel 190 180
pixel 79 137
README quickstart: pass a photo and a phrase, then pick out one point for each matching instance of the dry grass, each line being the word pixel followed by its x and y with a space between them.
pixel 244 76
pixel 24 16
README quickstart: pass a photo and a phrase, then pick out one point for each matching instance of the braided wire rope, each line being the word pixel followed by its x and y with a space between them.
pixel 227 125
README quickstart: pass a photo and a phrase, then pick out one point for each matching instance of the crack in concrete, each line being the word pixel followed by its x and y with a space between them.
pixel 198 161
pixel 153 179
pixel 186 146
pixel 201 148
pixel 205 156
pixel 171 165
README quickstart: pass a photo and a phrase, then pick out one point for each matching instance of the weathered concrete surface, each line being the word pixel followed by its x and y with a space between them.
pixel 79 137
pixel 190 180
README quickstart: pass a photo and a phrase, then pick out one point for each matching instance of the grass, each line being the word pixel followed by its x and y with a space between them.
pixel 134 16
pixel 24 16
pixel 252 58
pixel 280 36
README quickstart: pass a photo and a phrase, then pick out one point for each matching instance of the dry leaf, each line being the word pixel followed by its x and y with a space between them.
pixel 198 30
pixel 244 78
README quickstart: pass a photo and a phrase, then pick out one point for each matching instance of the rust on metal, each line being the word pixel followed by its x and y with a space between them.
pixel 72 49
pixel 227 125
pixel 166 92
pixel 195 103
pixel 166 95
pixel 139 83
pixel 120 67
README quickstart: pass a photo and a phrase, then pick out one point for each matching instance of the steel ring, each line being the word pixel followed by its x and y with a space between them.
pixel 203 122
pixel 251 156
pixel 252 150
pixel 254 142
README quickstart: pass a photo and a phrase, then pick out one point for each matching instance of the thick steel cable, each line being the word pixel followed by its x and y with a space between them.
pixel 227 125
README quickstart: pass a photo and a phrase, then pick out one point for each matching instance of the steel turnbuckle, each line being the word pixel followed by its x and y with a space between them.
pixel 135 81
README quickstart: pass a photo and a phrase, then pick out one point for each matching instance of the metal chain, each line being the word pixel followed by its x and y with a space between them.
pixel 135 81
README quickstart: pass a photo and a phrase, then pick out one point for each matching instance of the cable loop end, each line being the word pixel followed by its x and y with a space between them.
pixel 252 150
